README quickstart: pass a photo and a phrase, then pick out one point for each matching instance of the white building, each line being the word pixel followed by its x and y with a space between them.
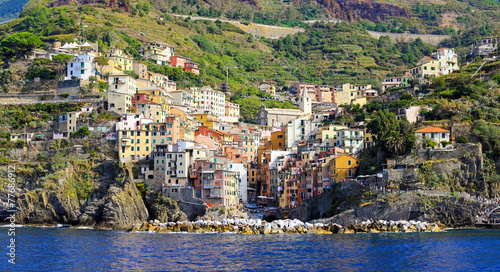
pixel 171 164
pixel 232 112
pixel 351 140
pixel 122 83
pixel 437 134
pixel 120 103
pixel 82 67
pixel 241 168
pixel 132 121
pixel 448 60
pixel 297 130
pixel 182 98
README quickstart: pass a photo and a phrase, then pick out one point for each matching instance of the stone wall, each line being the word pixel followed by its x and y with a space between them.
pixel 188 203
pixel 459 166
pixel 426 38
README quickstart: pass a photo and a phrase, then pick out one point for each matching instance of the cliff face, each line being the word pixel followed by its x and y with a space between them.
pixel 451 211
pixel 351 10
pixel 111 203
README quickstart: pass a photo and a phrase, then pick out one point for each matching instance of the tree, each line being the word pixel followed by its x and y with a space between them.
pixel 382 124
pixel 61 60
pixel 18 45
pixel 395 142
pixel 101 61
pixel 83 131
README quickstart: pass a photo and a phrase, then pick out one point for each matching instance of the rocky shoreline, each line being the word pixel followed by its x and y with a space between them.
pixel 243 226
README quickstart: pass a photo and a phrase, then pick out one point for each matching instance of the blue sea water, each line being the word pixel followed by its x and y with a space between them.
pixel 64 249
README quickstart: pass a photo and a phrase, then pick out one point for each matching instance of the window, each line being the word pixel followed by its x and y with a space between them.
pixel 443 135
pixel 138 148
pixel 349 162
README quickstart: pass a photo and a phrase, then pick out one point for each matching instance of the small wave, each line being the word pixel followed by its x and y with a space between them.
pixel 9 226
pixel 84 228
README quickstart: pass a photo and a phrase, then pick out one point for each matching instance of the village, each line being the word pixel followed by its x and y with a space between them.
pixel 193 142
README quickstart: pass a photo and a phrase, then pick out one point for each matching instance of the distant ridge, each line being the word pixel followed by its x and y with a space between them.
pixel 10 9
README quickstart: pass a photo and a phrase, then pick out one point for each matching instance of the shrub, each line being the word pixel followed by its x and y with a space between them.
pixel 462 139
pixel 431 143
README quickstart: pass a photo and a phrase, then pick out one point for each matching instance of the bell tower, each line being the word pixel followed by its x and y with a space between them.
pixel 305 103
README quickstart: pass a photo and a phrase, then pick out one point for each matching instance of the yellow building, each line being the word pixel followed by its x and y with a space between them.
pixel 119 59
pixel 343 97
pixel 343 167
pixel 271 89
pixel 426 67
pixel 196 96
pixel 369 140
pixel 359 101
pixel 328 135
pixel 134 145
pixel 150 110
pixel 176 111
pixel 206 119
pixel 149 49
pixel 158 79
pixel 278 140
pixel 157 95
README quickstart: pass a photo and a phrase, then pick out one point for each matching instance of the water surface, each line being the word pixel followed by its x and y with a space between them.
pixel 63 249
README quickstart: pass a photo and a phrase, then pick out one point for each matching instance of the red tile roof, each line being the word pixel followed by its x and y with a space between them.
pixel 431 129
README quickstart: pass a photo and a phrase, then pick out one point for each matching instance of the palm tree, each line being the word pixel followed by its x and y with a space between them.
pixel 395 142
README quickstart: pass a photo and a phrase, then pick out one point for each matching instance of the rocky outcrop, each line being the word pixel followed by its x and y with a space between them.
pixel 44 207
pixel 456 212
pixel 167 210
pixel 122 208
pixel 354 9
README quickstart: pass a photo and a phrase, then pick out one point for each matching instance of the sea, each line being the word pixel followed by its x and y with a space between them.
pixel 69 249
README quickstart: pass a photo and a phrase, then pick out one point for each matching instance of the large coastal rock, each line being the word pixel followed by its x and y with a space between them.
pixel 123 207
pixel 166 210
pixel 44 207
pixel 450 211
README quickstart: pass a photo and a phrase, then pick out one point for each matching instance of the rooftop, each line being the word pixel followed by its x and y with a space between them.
pixel 431 129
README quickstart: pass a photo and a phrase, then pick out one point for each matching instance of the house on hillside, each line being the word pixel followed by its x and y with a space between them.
pixel 433 133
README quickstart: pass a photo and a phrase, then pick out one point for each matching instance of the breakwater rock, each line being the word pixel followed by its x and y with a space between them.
pixel 243 226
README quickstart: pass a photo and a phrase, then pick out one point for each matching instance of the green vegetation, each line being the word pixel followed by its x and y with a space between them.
pixel 42 69
pixel 10 9
pixel 17 116
pixel 397 136
pixel 18 44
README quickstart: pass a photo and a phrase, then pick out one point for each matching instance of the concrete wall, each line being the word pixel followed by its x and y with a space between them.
pixel 426 38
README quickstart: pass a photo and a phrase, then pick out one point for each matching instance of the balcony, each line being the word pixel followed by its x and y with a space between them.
pixel 214 196
pixel 361 137
pixel 124 143
pixel 118 82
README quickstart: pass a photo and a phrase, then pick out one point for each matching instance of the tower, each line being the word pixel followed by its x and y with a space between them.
pixel 305 103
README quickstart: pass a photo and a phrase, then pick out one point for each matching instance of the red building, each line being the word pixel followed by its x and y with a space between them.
pixel 192 67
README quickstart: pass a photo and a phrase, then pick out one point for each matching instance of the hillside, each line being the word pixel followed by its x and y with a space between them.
pixel 324 53
pixel 10 9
